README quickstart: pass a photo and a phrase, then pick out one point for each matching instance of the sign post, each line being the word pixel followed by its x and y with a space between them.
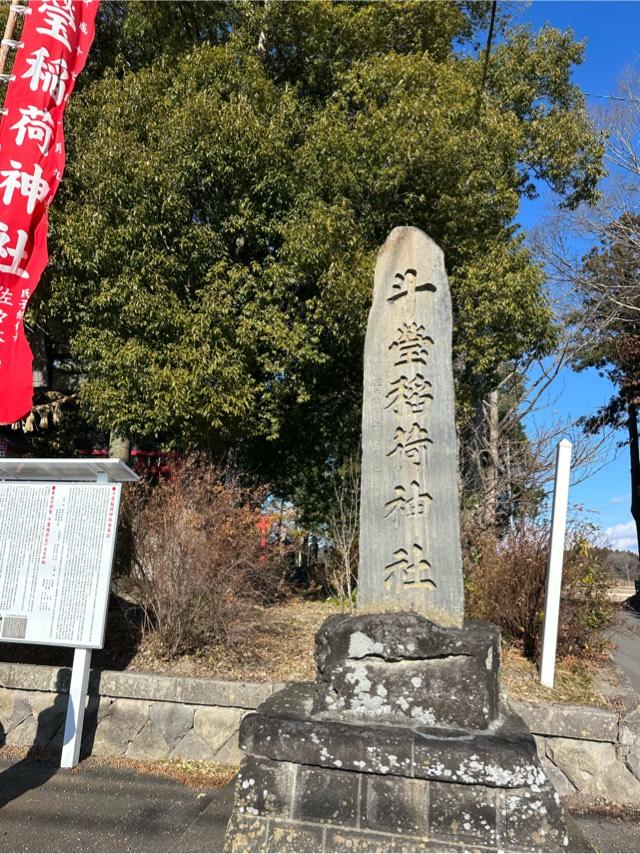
pixel 554 572
pixel 57 541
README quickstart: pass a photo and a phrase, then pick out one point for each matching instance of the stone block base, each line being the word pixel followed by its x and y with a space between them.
pixel 283 806
pixel 320 785
pixel 372 756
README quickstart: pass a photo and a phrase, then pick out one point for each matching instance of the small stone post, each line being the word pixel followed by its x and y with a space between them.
pixel 409 514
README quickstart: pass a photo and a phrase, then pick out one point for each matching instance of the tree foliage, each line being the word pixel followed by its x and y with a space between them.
pixel 609 283
pixel 610 286
pixel 233 168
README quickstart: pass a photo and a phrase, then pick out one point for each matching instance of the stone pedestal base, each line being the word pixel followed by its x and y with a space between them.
pixel 318 780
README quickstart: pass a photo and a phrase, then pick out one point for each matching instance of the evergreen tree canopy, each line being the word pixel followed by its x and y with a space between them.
pixel 233 168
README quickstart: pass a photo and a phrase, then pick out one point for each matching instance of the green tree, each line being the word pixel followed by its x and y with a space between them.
pixel 231 178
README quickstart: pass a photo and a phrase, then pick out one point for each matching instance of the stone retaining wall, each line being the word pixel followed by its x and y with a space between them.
pixel 139 715
pixel 586 752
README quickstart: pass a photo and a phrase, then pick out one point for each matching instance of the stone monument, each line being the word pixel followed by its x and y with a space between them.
pixel 409 518
pixel 400 743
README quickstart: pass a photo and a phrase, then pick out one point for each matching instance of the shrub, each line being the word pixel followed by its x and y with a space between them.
pixel 197 559
pixel 505 581
pixel 339 574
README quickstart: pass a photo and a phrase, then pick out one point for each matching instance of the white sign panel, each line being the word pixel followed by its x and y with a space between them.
pixel 56 549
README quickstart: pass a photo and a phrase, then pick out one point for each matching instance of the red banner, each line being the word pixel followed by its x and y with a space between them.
pixel 55 40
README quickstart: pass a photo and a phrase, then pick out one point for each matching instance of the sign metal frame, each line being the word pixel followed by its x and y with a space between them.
pixel 101 471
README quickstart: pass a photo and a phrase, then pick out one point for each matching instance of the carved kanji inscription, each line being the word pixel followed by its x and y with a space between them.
pixel 408 502
pixel 411 442
pixel 409 526
pixel 409 395
pixel 411 345
pixel 410 568
pixel 406 284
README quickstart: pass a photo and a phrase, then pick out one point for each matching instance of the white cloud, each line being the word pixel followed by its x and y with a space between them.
pixel 620 499
pixel 623 536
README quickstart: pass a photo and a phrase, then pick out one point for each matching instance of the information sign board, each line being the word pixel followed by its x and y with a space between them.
pixel 56 550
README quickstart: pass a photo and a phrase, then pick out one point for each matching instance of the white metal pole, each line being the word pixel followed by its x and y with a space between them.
pixel 77 695
pixel 75 708
pixel 556 556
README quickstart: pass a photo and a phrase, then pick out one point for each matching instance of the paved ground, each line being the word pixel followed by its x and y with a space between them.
pixel 112 809
pixel 625 633
pixel 43 808
pixel 609 834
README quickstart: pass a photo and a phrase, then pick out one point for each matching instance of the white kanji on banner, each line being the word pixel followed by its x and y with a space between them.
pixel 33 187
pixel 16 253
pixel 48 75
pixel 36 125
pixel 59 18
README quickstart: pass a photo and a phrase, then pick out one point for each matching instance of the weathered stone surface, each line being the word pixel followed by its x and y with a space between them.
pixel 409 517
pixel 533 820
pixel 326 796
pixel 464 813
pixel 171 720
pixel 359 841
pixel 283 729
pixel 629 728
pixel 395 802
pixel 265 787
pixel 246 833
pixel 346 840
pixel 191 747
pixel 633 764
pixel 581 761
pixel 43 726
pixel 402 667
pixel 229 753
pixel 141 686
pixel 215 726
pixel 35 677
pixel 148 744
pixel 332 778
pixel 560 782
pixel 214 692
pixel 293 837
pixel 351 811
pixel 568 721
pixel 122 723
pixel 593 769
pixel 50 715
pixel 14 709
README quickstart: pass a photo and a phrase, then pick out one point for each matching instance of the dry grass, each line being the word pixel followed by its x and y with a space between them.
pixel 192 773
pixel 276 645
pixel 195 774
pixel 573 681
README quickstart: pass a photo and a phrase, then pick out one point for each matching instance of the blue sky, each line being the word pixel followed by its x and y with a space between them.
pixel 611 31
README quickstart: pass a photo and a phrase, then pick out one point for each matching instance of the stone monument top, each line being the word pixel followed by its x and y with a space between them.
pixel 410 555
